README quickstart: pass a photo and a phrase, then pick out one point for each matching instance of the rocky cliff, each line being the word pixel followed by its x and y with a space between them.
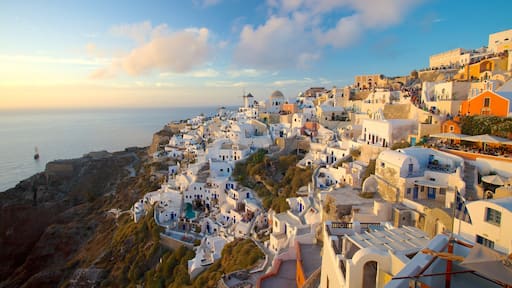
pixel 162 137
pixel 49 218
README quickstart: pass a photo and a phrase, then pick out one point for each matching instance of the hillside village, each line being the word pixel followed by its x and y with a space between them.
pixel 401 187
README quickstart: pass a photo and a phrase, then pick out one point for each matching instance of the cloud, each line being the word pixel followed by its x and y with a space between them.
pixel 346 32
pixel 207 73
pixel 296 31
pixel 161 50
pixel 226 84
pixel 280 42
pixel 244 73
pixel 92 50
pixel 138 32
pixel 288 82
pixel 205 3
pixel 50 60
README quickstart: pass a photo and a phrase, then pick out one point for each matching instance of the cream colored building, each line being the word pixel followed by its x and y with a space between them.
pixel 364 82
pixel 456 57
pixel 500 41
pixel 445 97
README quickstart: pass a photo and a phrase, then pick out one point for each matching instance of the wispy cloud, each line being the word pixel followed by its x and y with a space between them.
pixel 204 73
pixel 138 32
pixel 280 42
pixel 245 73
pixel 205 3
pixel 289 82
pixel 207 73
pixel 51 60
pixel 159 49
pixel 294 34
pixel 226 84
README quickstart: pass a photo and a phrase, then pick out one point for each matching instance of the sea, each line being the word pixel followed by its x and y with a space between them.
pixel 66 134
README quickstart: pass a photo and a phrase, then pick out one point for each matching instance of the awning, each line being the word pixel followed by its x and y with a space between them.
pixel 489 263
pixel 450 135
pixel 486 138
pixel 430 184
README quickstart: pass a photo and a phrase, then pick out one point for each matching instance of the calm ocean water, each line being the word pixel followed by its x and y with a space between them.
pixel 64 134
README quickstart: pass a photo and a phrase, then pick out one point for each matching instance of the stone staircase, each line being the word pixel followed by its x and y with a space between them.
pixel 470 179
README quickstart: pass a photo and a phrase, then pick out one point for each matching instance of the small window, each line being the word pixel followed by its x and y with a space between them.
pixel 484 241
pixel 493 216
pixel 382 165
pixel 487 102
pixel 452 128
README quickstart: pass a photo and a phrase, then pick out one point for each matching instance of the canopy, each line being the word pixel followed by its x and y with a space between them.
pixel 486 138
pixel 489 263
pixel 449 136
pixel 495 179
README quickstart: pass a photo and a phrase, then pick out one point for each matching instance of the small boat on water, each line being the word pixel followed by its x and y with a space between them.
pixel 36 154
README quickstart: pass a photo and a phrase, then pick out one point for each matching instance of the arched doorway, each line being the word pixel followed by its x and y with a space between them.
pixel 370 274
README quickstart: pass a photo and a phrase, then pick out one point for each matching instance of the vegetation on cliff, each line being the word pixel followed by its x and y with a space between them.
pixel 237 255
pixel 274 179
pixel 493 125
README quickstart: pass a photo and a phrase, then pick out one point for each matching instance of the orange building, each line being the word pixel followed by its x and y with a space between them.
pixel 289 108
pixel 451 126
pixel 486 103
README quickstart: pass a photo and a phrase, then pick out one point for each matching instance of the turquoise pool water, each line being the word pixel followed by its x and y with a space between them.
pixel 189 212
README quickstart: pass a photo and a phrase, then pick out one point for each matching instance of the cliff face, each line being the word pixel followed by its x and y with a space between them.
pixel 162 137
pixel 47 219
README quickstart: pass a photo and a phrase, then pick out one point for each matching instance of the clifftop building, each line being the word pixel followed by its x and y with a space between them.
pixel 500 41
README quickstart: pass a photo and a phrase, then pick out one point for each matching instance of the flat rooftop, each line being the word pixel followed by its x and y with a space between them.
pixel 285 277
pixel 348 196
pixel 311 258
pixel 405 239
pixel 284 217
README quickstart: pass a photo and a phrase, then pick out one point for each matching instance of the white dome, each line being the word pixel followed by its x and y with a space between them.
pixel 277 94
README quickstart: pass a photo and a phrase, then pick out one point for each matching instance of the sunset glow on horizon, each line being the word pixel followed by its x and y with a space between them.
pixel 191 53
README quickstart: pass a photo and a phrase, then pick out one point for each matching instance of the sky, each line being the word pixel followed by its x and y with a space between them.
pixel 83 54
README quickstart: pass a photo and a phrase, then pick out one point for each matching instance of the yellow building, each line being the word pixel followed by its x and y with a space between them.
pixel 365 82
pixel 484 69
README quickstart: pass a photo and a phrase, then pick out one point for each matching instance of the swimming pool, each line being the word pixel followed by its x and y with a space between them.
pixel 189 211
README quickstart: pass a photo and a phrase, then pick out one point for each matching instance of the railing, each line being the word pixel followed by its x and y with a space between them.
pixel 343 268
pixel 336 248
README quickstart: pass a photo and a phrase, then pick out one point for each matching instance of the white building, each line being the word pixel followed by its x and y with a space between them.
pixel 297 224
pixel 377 99
pixel 275 101
pixel 486 224
pixel 206 254
pixel 419 174
pixel 352 258
pixel 225 150
pixel 385 133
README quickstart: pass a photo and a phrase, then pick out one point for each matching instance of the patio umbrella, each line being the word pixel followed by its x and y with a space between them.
pixel 486 138
pixel 495 180
pixel 449 135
